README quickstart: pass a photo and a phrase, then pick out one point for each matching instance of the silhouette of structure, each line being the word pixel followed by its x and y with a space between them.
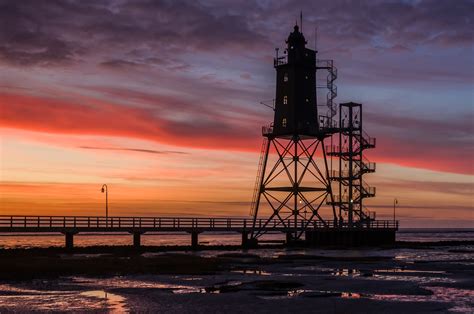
pixel 352 165
pixel 296 174
pixel 70 226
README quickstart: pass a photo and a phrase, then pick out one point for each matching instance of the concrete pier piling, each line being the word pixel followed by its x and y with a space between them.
pixel 137 239
pixel 69 238
pixel 194 239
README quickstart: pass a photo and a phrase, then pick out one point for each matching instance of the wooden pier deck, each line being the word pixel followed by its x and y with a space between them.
pixel 136 226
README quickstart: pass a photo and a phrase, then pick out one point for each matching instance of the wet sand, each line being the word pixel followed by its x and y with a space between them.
pixel 273 280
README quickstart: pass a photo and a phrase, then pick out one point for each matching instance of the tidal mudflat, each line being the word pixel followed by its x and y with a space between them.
pixel 422 279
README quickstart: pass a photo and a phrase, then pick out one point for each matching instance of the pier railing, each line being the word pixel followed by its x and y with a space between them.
pixel 51 223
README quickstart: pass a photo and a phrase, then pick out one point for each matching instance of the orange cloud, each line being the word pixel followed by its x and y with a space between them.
pixel 93 117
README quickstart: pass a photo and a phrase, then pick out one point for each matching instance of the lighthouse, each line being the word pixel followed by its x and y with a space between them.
pixel 295 101
pixel 297 176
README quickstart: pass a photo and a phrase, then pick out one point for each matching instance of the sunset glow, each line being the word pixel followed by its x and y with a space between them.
pixel 163 104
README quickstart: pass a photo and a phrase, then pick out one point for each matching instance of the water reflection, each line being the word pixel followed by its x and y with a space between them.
pixel 462 299
pixel 346 272
pixel 258 272
pixel 27 300
pixel 350 295
pixel 110 301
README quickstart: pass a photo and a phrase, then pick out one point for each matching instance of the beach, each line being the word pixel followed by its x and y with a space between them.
pixel 410 277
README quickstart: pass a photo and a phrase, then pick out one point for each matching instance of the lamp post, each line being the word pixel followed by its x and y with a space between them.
pixel 105 189
pixel 395 202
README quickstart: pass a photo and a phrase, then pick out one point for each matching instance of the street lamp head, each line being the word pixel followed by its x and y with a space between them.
pixel 103 190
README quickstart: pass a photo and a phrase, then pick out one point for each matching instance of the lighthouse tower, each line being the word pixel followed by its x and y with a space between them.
pixel 295 103
pixel 293 183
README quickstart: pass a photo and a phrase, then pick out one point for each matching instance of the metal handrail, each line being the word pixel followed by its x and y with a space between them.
pixel 326 122
pixel 267 129
pixel 179 223
pixel 280 60
pixel 368 140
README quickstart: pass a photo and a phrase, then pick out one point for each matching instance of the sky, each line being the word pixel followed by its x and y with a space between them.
pixel 160 101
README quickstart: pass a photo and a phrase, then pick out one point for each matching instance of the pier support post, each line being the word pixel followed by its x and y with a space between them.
pixel 308 237
pixel 194 239
pixel 136 239
pixel 245 239
pixel 289 237
pixel 69 236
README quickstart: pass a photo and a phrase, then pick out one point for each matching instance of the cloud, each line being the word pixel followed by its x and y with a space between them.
pixel 55 32
pixel 206 130
pixel 457 189
pixel 93 117
pixel 393 23
pixel 34 32
pixel 187 73
pixel 25 38
pixel 116 63
pixel 445 145
pixel 139 150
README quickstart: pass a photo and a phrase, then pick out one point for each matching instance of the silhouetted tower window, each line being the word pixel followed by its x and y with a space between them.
pixel 296 89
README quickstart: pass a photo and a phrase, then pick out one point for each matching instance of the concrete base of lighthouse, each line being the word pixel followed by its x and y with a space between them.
pixel 350 237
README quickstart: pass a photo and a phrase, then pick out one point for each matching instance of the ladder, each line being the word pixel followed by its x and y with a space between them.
pixel 256 190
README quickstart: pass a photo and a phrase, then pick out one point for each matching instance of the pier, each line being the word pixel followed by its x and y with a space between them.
pixel 317 233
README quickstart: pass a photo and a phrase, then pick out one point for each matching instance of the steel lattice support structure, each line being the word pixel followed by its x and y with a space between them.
pixel 293 186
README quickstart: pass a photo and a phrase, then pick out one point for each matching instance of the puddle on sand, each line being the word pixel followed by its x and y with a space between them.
pixel 252 272
pixel 82 256
pixel 462 299
pixel 112 302
pixel 187 278
pixel 346 272
pixel 277 295
pixel 121 282
pixel 351 295
pixel 20 299
pixel 408 271
pixel 410 278
pixel 190 290
pixel 228 286
pixel 309 294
